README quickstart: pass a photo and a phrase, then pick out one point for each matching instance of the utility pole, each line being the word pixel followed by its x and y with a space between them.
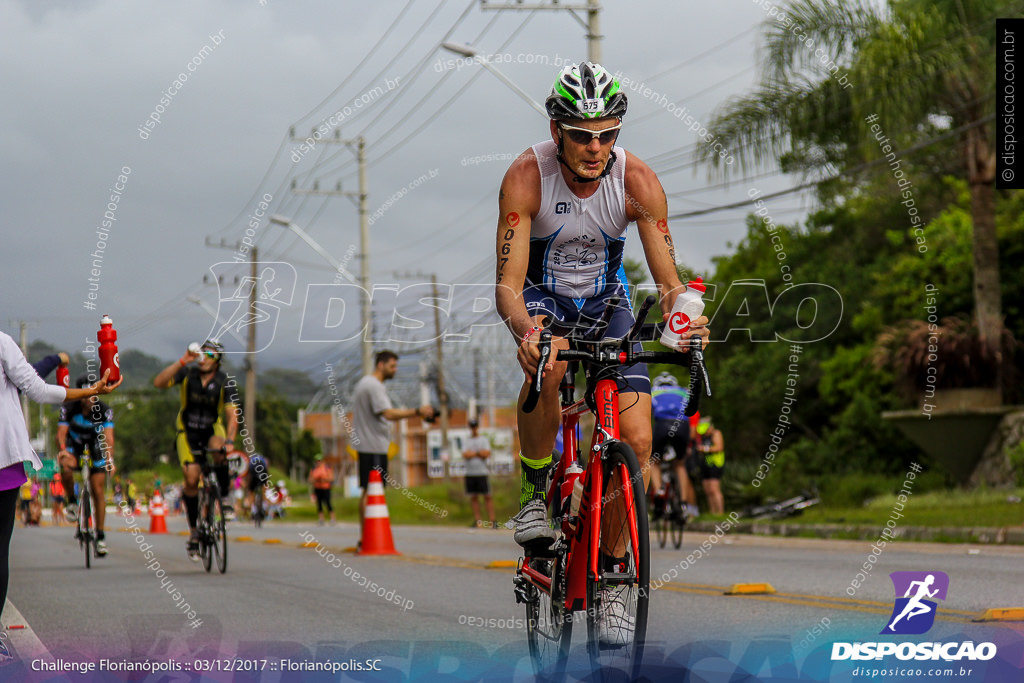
pixel 474 412
pixel 250 361
pixel 364 233
pixel 442 393
pixel 249 409
pixel 490 394
pixel 592 24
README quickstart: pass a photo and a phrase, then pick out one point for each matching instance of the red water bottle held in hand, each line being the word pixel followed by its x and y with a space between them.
pixel 63 376
pixel 108 350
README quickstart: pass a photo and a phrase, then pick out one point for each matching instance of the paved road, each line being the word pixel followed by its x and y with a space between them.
pixel 281 601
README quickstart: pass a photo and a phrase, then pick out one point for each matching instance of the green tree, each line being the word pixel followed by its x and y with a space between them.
pixel 841 76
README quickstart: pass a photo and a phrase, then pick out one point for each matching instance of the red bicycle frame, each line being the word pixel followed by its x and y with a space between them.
pixel 584 540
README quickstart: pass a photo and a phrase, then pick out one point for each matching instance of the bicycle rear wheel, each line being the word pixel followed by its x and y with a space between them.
pixel 677 520
pixel 548 625
pixel 219 536
pixel 617 600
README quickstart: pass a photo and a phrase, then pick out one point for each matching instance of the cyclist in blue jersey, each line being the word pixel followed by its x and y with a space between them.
pixel 87 425
pixel 671 443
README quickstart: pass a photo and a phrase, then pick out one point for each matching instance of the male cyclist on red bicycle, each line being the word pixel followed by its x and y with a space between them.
pixel 566 204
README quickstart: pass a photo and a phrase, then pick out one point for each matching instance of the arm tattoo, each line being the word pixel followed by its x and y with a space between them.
pixel 671 247
pixel 506 248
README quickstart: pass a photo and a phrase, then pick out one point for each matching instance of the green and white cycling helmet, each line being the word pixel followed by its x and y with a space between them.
pixel 585 91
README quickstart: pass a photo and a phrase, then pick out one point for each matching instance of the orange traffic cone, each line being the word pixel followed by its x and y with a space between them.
pixel 157 513
pixel 376 532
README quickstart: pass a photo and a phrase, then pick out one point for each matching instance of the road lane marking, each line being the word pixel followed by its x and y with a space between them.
pixel 503 564
pixel 806 600
pixel 1001 614
pixel 750 589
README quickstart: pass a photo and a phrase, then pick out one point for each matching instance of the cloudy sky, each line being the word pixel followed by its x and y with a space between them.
pixel 83 77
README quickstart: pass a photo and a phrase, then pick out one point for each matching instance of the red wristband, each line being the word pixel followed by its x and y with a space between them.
pixel 527 335
pixel 182 361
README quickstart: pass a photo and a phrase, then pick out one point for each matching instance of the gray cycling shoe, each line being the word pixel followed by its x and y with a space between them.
pixel 614 622
pixel 532 530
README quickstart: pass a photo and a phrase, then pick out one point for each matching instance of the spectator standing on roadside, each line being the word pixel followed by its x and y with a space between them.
pixel 57 499
pixel 322 478
pixel 475 452
pixel 15 448
pixel 25 501
pixel 711 448
pixel 371 411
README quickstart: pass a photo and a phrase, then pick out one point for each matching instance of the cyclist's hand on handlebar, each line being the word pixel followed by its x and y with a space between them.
pixel 528 353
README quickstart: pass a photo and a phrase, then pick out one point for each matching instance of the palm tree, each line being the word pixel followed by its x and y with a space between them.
pixel 915 67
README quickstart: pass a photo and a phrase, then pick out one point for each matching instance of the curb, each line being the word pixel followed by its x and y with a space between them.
pixel 862 532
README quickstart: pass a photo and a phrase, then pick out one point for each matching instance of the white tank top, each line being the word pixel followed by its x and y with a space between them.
pixel 576 244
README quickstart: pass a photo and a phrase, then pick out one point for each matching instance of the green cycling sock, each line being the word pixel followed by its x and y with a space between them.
pixel 533 479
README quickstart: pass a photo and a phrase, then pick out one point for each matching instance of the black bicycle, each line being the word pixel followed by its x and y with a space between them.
pixel 212 528
pixel 86 532
pixel 259 507
pixel 668 513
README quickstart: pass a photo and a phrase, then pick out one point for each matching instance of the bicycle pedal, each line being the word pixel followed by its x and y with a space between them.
pixel 541 551
pixel 541 565
pixel 522 590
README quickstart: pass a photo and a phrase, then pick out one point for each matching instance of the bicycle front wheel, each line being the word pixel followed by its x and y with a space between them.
pixel 206 529
pixel 617 599
pixel 219 536
pixel 661 524
pixel 258 515
pixel 678 520
pixel 85 515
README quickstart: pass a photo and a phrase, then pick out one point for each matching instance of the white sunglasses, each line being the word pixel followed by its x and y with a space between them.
pixel 583 136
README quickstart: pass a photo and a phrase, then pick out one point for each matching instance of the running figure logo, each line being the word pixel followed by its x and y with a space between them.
pixel 914 612
pixel 273 286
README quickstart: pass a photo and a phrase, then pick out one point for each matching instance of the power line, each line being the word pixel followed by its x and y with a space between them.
pixel 366 58
pixel 850 171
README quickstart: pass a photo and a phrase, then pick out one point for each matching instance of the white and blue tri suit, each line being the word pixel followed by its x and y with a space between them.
pixel 576 247
pixel 85 431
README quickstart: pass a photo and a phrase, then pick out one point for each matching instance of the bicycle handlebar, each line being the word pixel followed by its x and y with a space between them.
pixel 533 395
pixel 620 352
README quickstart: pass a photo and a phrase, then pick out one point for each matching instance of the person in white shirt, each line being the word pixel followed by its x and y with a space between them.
pixel 15 448
pixel 475 452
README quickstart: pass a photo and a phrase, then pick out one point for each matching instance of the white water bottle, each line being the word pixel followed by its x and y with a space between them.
pixel 688 307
